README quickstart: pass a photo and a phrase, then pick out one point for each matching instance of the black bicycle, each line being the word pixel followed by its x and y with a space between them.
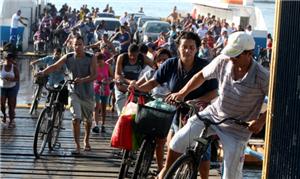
pixel 187 165
pixel 150 123
pixel 39 84
pixel 49 122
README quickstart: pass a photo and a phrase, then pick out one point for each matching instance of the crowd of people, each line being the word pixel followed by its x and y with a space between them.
pixel 201 58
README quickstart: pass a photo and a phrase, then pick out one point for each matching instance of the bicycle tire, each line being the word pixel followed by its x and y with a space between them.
pixel 145 158
pixel 42 128
pixel 57 118
pixel 35 101
pixel 125 165
pixel 183 168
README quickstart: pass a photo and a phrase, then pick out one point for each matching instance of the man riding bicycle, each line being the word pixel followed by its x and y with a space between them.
pixel 243 85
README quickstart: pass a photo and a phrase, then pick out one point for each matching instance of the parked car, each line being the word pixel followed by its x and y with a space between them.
pixel 152 29
pixel 105 14
pixel 136 16
pixel 111 24
pixel 141 21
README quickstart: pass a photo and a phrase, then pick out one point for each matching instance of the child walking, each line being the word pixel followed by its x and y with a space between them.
pixel 102 91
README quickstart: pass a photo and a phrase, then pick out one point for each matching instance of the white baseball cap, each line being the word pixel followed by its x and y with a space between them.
pixel 237 43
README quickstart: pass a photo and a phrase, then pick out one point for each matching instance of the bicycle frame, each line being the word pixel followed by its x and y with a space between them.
pixel 202 144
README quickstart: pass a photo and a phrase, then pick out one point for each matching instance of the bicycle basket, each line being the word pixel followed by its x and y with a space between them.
pixel 153 121
pixel 41 80
pixel 63 96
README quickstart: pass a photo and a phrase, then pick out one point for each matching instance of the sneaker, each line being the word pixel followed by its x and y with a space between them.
pixel 96 129
pixel 103 129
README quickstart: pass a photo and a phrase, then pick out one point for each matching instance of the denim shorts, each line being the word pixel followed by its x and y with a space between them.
pixel 101 99
pixel 10 92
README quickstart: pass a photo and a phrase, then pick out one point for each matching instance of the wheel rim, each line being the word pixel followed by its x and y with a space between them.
pixel 56 129
pixel 184 171
pixel 42 131
pixel 147 163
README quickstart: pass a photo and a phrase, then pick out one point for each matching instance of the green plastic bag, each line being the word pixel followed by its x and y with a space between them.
pixel 160 104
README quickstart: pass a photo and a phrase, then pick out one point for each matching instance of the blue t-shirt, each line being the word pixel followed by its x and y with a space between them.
pixel 122 38
pixel 176 78
pixel 57 76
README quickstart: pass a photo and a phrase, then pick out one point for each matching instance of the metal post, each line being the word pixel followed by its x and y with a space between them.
pixel 282 144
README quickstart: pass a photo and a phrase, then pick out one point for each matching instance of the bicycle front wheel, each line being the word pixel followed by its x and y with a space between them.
pixel 42 129
pixel 35 101
pixel 183 168
pixel 145 158
pixel 54 133
pixel 125 165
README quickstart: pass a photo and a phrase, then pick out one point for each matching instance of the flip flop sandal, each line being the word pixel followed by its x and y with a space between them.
pixel 87 148
pixel 3 119
pixel 11 125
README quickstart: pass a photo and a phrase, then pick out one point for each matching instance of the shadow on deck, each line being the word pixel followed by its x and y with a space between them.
pixel 18 161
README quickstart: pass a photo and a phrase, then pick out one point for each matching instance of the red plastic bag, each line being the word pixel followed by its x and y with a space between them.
pixel 122 136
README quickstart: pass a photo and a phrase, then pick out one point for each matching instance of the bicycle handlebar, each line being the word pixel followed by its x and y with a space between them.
pixel 51 89
pixel 194 108
pixel 134 91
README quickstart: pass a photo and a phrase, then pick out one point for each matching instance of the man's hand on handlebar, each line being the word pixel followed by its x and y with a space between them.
pixel 133 86
pixel 78 80
pixel 39 74
pixel 256 126
pixel 174 97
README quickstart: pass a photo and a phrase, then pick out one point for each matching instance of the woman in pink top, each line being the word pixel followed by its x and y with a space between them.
pixel 101 87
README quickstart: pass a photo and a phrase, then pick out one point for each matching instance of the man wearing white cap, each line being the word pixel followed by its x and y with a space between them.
pixel 243 85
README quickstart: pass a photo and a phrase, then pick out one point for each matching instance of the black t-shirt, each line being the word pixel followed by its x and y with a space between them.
pixel 132 71
pixel 171 73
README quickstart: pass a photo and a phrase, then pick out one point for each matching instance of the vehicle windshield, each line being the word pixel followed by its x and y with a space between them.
pixel 143 20
pixel 105 15
pixel 109 25
pixel 157 28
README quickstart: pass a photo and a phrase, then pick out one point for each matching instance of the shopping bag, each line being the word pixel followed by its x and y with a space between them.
pixel 130 106
pixel 122 136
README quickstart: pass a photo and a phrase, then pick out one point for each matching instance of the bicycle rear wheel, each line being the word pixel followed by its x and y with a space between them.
pixel 183 168
pixel 42 129
pixel 35 101
pixel 57 122
pixel 145 158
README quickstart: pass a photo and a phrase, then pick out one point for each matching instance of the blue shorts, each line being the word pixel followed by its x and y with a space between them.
pixel 101 99
pixel 206 156
pixel 13 35
pixel 10 92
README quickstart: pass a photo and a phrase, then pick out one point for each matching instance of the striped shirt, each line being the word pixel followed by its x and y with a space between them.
pixel 241 99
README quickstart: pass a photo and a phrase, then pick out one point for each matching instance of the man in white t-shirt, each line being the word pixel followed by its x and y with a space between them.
pixel 124 19
pixel 15 19
pixel 202 30
pixel 243 85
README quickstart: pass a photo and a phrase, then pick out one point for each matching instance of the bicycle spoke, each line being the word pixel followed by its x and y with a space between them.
pixel 58 115
pixel 41 132
pixel 183 168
